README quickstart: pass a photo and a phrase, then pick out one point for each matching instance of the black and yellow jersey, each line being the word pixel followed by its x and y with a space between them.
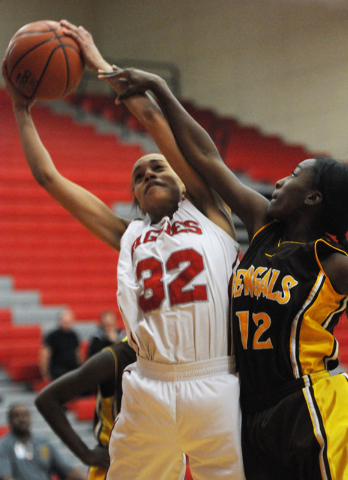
pixel 109 394
pixel 284 311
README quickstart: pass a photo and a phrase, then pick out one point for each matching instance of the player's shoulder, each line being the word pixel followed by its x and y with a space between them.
pixel 122 346
pixel 135 228
pixel 124 353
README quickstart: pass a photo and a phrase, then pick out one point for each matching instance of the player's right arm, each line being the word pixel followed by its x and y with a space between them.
pixel 149 114
pixel 199 150
pixel 97 217
pixel 53 397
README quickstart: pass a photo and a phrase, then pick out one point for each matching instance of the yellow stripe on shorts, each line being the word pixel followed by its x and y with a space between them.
pixel 327 402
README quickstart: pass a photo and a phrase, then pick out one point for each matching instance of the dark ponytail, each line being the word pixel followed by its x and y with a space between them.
pixel 332 182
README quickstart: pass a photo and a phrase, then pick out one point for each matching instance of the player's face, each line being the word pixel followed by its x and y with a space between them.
pixel 156 186
pixel 290 194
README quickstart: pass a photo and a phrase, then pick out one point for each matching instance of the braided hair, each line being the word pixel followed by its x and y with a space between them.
pixel 332 181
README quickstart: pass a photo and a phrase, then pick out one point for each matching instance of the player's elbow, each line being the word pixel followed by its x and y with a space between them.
pixel 39 402
pixel 43 178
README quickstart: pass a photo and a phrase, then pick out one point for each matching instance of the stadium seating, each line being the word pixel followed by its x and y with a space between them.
pixel 44 249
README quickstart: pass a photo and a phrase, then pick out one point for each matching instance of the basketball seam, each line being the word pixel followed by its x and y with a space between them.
pixel 61 45
pixel 32 32
pixel 67 69
pixel 65 56
pixel 29 51
pixel 45 68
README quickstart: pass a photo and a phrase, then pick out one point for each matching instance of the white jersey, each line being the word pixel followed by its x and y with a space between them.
pixel 173 286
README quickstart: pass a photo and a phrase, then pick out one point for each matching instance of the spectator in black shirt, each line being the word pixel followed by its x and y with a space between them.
pixel 60 351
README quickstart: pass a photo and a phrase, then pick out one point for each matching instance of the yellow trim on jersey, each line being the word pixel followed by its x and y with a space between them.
pixel 115 358
pixel 260 230
pixel 327 405
pixel 317 258
pixel 289 241
pixel 321 305
pixel 97 473
pixel 105 411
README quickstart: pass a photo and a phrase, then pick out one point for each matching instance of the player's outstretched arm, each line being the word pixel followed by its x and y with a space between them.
pixel 84 206
pixel 51 399
pixel 91 55
pixel 147 111
pixel 199 149
pixel 152 118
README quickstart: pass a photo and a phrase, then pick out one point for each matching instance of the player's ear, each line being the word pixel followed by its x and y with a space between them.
pixel 314 197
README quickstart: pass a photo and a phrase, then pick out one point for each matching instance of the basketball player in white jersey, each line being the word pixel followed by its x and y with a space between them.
pixel 182 395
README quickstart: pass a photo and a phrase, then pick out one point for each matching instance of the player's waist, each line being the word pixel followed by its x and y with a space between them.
pixel 185 371
pixel 252 403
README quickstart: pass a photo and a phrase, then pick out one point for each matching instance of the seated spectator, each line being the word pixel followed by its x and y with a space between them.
pixel 60 351
pixel 25 456
pixel 106 333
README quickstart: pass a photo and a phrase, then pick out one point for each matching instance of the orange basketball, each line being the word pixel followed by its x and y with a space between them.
pixel 42 62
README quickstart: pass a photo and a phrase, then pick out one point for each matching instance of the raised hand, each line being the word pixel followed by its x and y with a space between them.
pixel 91 55
pixel 18 100
pixel 137 81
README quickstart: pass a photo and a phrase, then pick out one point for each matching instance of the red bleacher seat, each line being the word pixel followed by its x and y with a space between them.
pixel 23 369
pixel 18 349
pixel 83 407
pixel 3 430
pixel 11 332
pixel 37 384
pixel 44 248
pixel 118 114
pixel 5 317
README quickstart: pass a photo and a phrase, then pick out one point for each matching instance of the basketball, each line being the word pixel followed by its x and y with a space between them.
pixel 42 62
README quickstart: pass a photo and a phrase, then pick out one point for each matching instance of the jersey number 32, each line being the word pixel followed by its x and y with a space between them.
pixel 152 272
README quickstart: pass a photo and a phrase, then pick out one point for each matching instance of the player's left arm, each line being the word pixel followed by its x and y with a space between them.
pixel 147 111
pixel 53 397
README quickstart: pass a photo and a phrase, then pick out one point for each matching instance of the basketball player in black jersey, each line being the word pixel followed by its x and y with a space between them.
pixel 289 292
